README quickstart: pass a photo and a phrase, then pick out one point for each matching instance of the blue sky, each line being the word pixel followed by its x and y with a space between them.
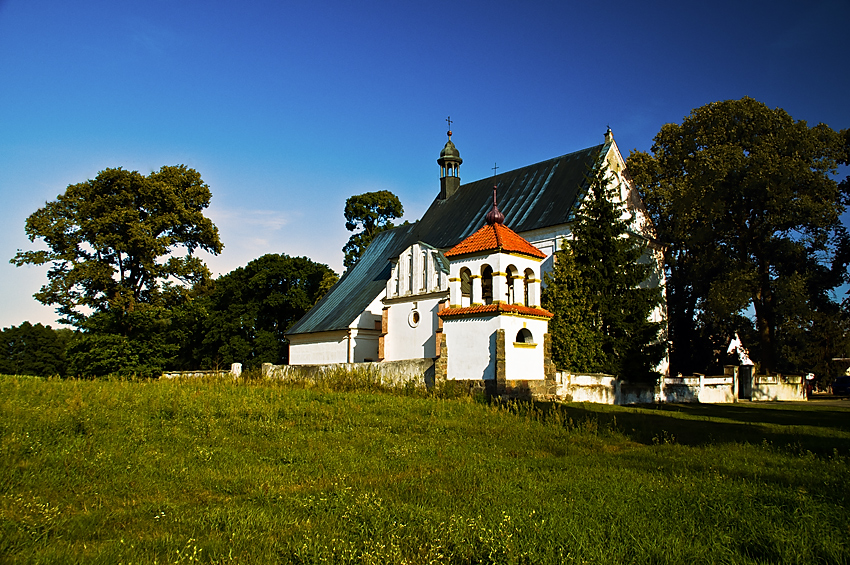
pixel 288 108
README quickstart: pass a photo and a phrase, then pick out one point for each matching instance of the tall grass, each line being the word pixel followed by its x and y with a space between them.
pixel 220 471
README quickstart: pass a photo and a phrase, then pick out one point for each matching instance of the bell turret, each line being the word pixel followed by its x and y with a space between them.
pixel 449 162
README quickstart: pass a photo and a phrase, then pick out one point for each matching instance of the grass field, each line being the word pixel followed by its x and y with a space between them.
pixel 223 472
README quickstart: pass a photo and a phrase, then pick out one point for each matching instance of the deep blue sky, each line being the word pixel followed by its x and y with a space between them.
pixel 288 108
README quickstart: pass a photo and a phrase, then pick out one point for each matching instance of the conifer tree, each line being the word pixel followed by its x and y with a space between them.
pixel 600 296
pixel 574 342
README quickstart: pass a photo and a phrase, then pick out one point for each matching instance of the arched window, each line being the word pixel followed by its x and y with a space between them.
pixel 487 284
pixel 524 336
pixel 424 271
pixel 411 288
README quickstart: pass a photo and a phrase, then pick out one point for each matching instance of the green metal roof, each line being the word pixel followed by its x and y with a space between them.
pixel 533 197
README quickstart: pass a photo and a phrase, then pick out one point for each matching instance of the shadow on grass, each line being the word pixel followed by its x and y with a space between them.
pixel 783 414
pixel 820 430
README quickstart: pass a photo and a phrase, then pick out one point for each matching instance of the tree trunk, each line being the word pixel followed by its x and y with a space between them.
pixel 763 302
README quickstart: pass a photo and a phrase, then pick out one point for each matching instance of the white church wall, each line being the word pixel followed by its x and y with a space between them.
pixel 364 345
pixel 412 328
pixel 341 346
pixel 523 361
pixel 548 240
pixel 318 348
pixel 471 343
pixel 365 332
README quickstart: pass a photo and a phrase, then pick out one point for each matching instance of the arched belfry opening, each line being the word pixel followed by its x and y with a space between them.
pixel 512 278
pixel 527 282
pixel 465 287
pixel 487 284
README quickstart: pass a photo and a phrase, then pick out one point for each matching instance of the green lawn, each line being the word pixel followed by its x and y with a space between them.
pixel 170 472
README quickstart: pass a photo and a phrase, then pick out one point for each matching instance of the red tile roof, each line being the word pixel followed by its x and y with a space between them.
pixel 495 309
pixel 495 237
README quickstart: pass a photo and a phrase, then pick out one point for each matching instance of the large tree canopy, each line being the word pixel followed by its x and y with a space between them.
pixel 372 213
pixel 251 308
pixel 122 239
pixel 746 199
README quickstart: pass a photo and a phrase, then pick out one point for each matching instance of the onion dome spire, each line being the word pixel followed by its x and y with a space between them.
pixel 494 216
pixel 449 162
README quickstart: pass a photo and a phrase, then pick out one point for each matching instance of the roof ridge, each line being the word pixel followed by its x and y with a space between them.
pixel 499 243
pixel 600 146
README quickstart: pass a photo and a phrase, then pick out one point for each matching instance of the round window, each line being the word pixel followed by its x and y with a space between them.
pixel 413 319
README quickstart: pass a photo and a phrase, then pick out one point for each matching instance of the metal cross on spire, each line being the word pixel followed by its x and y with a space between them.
pixel 495 167
pixel 449 120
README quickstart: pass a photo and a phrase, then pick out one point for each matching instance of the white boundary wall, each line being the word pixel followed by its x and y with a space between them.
pixel 605 389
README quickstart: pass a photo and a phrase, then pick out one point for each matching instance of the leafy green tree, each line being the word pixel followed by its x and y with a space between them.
pixel 116 241
pixel 601 293
pixel 328 280
pixel 746 200
pixel 133 344
pixel 372 213
pixel 250 309
pixel 187 329
pixel 33 350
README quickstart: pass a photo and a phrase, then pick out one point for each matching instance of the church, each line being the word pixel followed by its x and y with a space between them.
pixel 462 285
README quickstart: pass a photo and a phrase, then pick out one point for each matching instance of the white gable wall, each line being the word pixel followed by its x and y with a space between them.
pixel 410 339
pixel 414 290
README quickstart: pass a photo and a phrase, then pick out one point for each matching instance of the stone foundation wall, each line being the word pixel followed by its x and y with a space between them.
pixel 441 363
pixel 234 371
pixel 420 372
